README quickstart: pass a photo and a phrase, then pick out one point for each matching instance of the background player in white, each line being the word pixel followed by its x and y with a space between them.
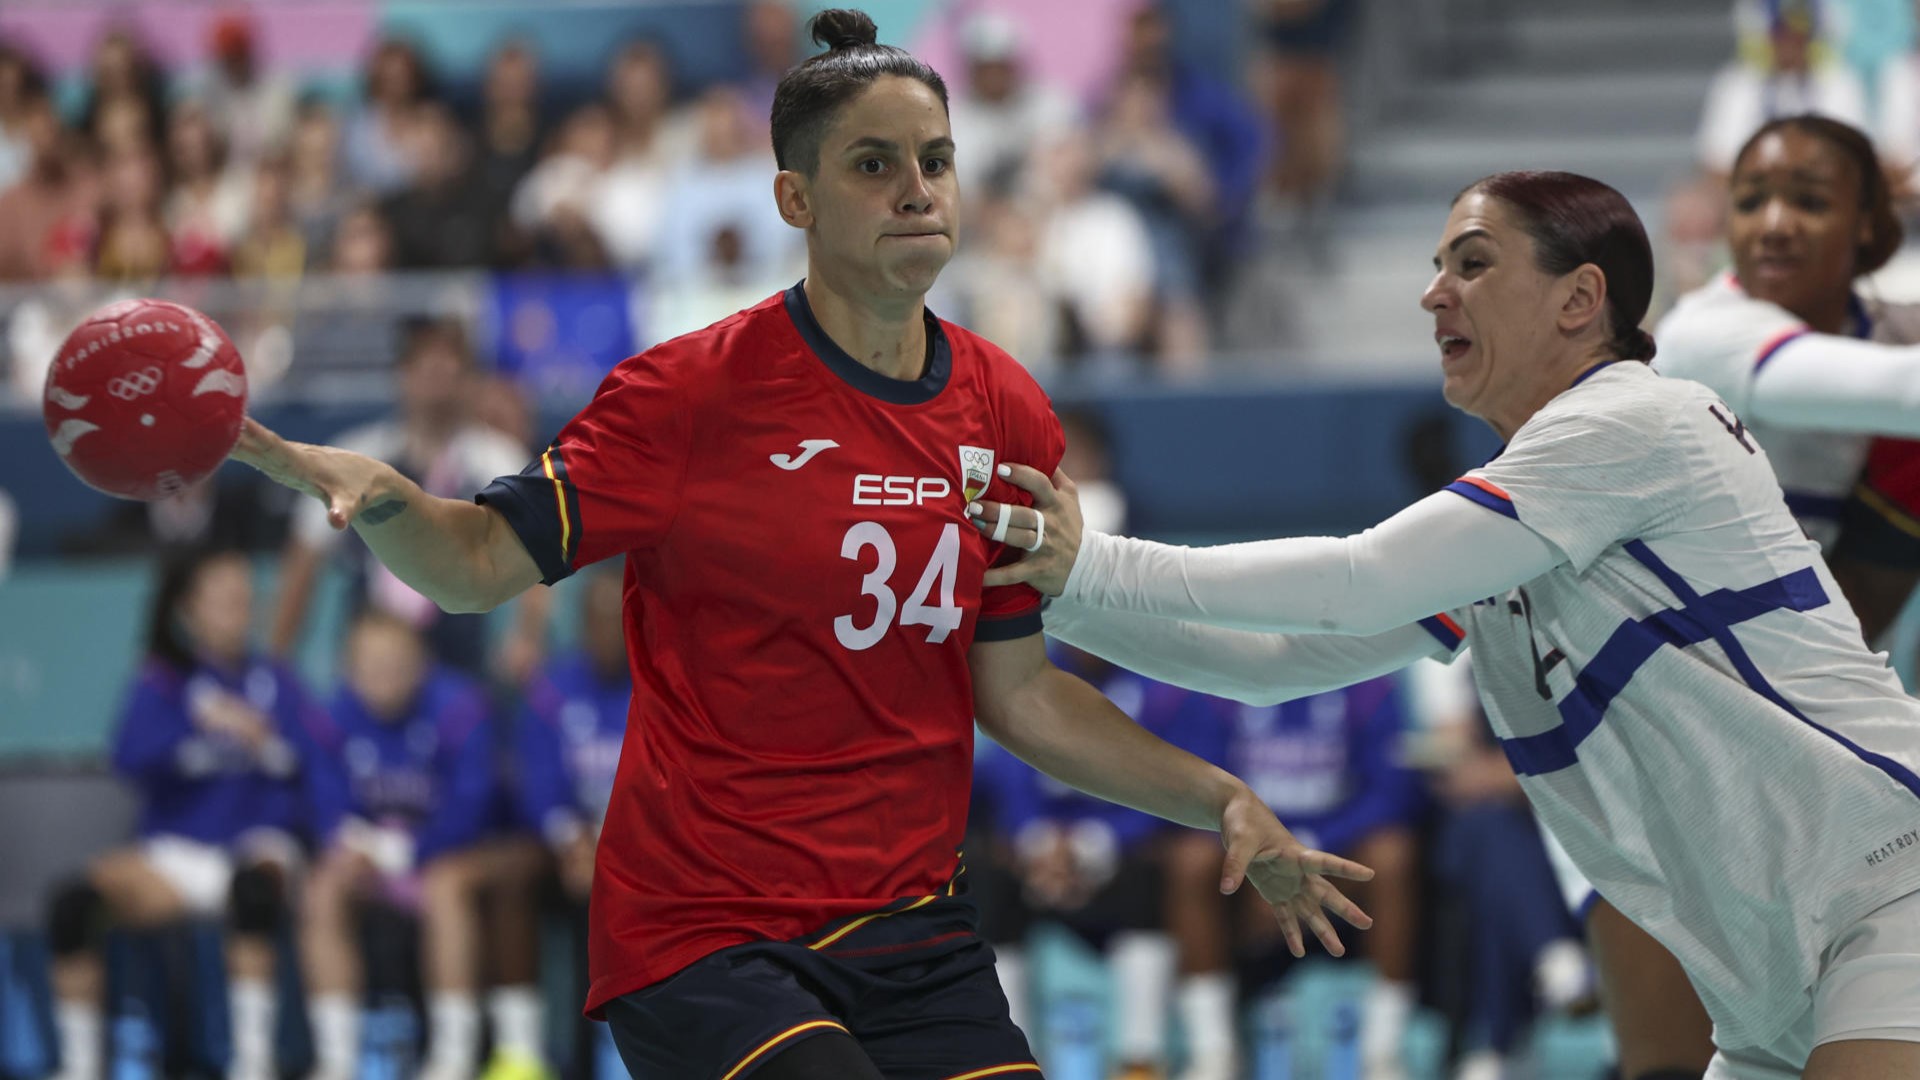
pixel 1661 650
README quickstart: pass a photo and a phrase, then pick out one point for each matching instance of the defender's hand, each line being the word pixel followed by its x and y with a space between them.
pixel 1049 530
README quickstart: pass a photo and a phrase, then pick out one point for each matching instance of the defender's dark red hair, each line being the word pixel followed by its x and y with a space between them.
pixel 1575 220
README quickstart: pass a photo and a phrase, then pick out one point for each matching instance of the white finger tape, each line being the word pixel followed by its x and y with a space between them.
pixel 1039 531
pixel 1000 527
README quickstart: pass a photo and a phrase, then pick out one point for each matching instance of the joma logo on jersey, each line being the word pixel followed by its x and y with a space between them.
pixel 872 489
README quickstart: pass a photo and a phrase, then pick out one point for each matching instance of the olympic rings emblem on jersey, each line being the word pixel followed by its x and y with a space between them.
pixel 135 383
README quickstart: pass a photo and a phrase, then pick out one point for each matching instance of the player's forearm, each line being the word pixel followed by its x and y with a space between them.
pixel 1068 730
pixel 445 549
pixel 1439 554
pixel 437 546
pixel 1244 665
pixel 1822 382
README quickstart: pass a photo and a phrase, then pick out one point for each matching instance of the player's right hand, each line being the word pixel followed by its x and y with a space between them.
pixel 348 483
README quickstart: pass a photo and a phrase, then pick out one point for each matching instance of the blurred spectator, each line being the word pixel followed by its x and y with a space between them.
pixel 511 126
pixel 21 86
pixel 556 202
pixel 403 778
pixel 1327 766
pixel 133 244
pixel 1150 164
pixel 1300 84
pixel 571 733
pixel 125 94
pixel 997 283
pixel 435 441
pixel 207 209
pixel 1793 75
pixel 1213 115
pixel 273 246
pixel 719 229
pixel 1092 867
pixel 347 327
pixel 227 511
pixel 441 219
pixel 1095 255
pixel 649 141
pixel 1003 112
pixel 377 136
pixel 1089 460
pixel 212 739
pixel 251 108
pixel 770 41
pixel 317 194
pixel 41 216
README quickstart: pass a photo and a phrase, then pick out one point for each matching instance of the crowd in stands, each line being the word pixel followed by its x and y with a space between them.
pixel 1101 224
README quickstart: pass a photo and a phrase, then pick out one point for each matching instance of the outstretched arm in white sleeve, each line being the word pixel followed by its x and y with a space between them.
pixel 1441 553
pixel 1244 665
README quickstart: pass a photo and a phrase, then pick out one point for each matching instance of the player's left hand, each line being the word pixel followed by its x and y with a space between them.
pixel 1291 877
pixel 1049 530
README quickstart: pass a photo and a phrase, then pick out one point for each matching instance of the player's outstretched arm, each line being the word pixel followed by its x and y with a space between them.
pixel 1825 382
pixel 1441 553
pixel 456 553
pixel 1243 665
pixel 1068 730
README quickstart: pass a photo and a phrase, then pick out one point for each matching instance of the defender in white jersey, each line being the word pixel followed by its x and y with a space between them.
pixel 1781 338
pixel 1661 650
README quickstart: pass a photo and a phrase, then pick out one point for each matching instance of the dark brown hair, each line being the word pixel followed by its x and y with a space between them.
pixel 1575 220
pixel 812 93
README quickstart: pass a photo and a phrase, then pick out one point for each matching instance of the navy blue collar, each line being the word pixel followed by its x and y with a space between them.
pixel 863 378
pixel 1587 374
pixel 1862 322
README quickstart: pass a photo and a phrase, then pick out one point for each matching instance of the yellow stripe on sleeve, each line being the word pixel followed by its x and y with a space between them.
pixel 560 497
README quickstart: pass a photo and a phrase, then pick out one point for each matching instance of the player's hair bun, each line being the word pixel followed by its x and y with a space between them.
pixel 1640 347
pixel 843 28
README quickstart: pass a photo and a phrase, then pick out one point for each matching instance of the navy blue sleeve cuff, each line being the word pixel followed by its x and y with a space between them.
pixel 529 504
pixel 1008 627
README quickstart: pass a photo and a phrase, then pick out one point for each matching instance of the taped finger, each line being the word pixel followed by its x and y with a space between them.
pixel 1000 527
pixel 1039 531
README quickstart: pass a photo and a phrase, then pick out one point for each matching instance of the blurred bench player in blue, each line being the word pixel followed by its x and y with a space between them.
pixel 404 782
pixel 569 739
pixel 1328 765
pixel 210 738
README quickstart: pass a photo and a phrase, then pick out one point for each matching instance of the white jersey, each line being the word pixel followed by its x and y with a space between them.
pixel 1687 698
pixel 1720 336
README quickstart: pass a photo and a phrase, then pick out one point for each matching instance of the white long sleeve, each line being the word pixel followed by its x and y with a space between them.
pixel 1441 553
pixel 1259 669
pixel 1824 382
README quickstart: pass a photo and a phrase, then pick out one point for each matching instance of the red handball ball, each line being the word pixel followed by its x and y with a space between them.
pixel 145 398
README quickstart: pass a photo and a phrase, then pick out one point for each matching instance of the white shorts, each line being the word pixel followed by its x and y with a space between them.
pixel 202 873
pixel 1869 988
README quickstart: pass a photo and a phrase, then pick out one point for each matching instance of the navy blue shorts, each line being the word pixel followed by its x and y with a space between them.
pixel 914 986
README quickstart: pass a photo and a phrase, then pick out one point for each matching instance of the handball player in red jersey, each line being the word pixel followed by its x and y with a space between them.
pixel 778 891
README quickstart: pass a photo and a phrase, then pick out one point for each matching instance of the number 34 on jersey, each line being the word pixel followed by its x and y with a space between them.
pixel 930 603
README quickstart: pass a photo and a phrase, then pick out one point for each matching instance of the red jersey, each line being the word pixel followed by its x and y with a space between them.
pixel 802 588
